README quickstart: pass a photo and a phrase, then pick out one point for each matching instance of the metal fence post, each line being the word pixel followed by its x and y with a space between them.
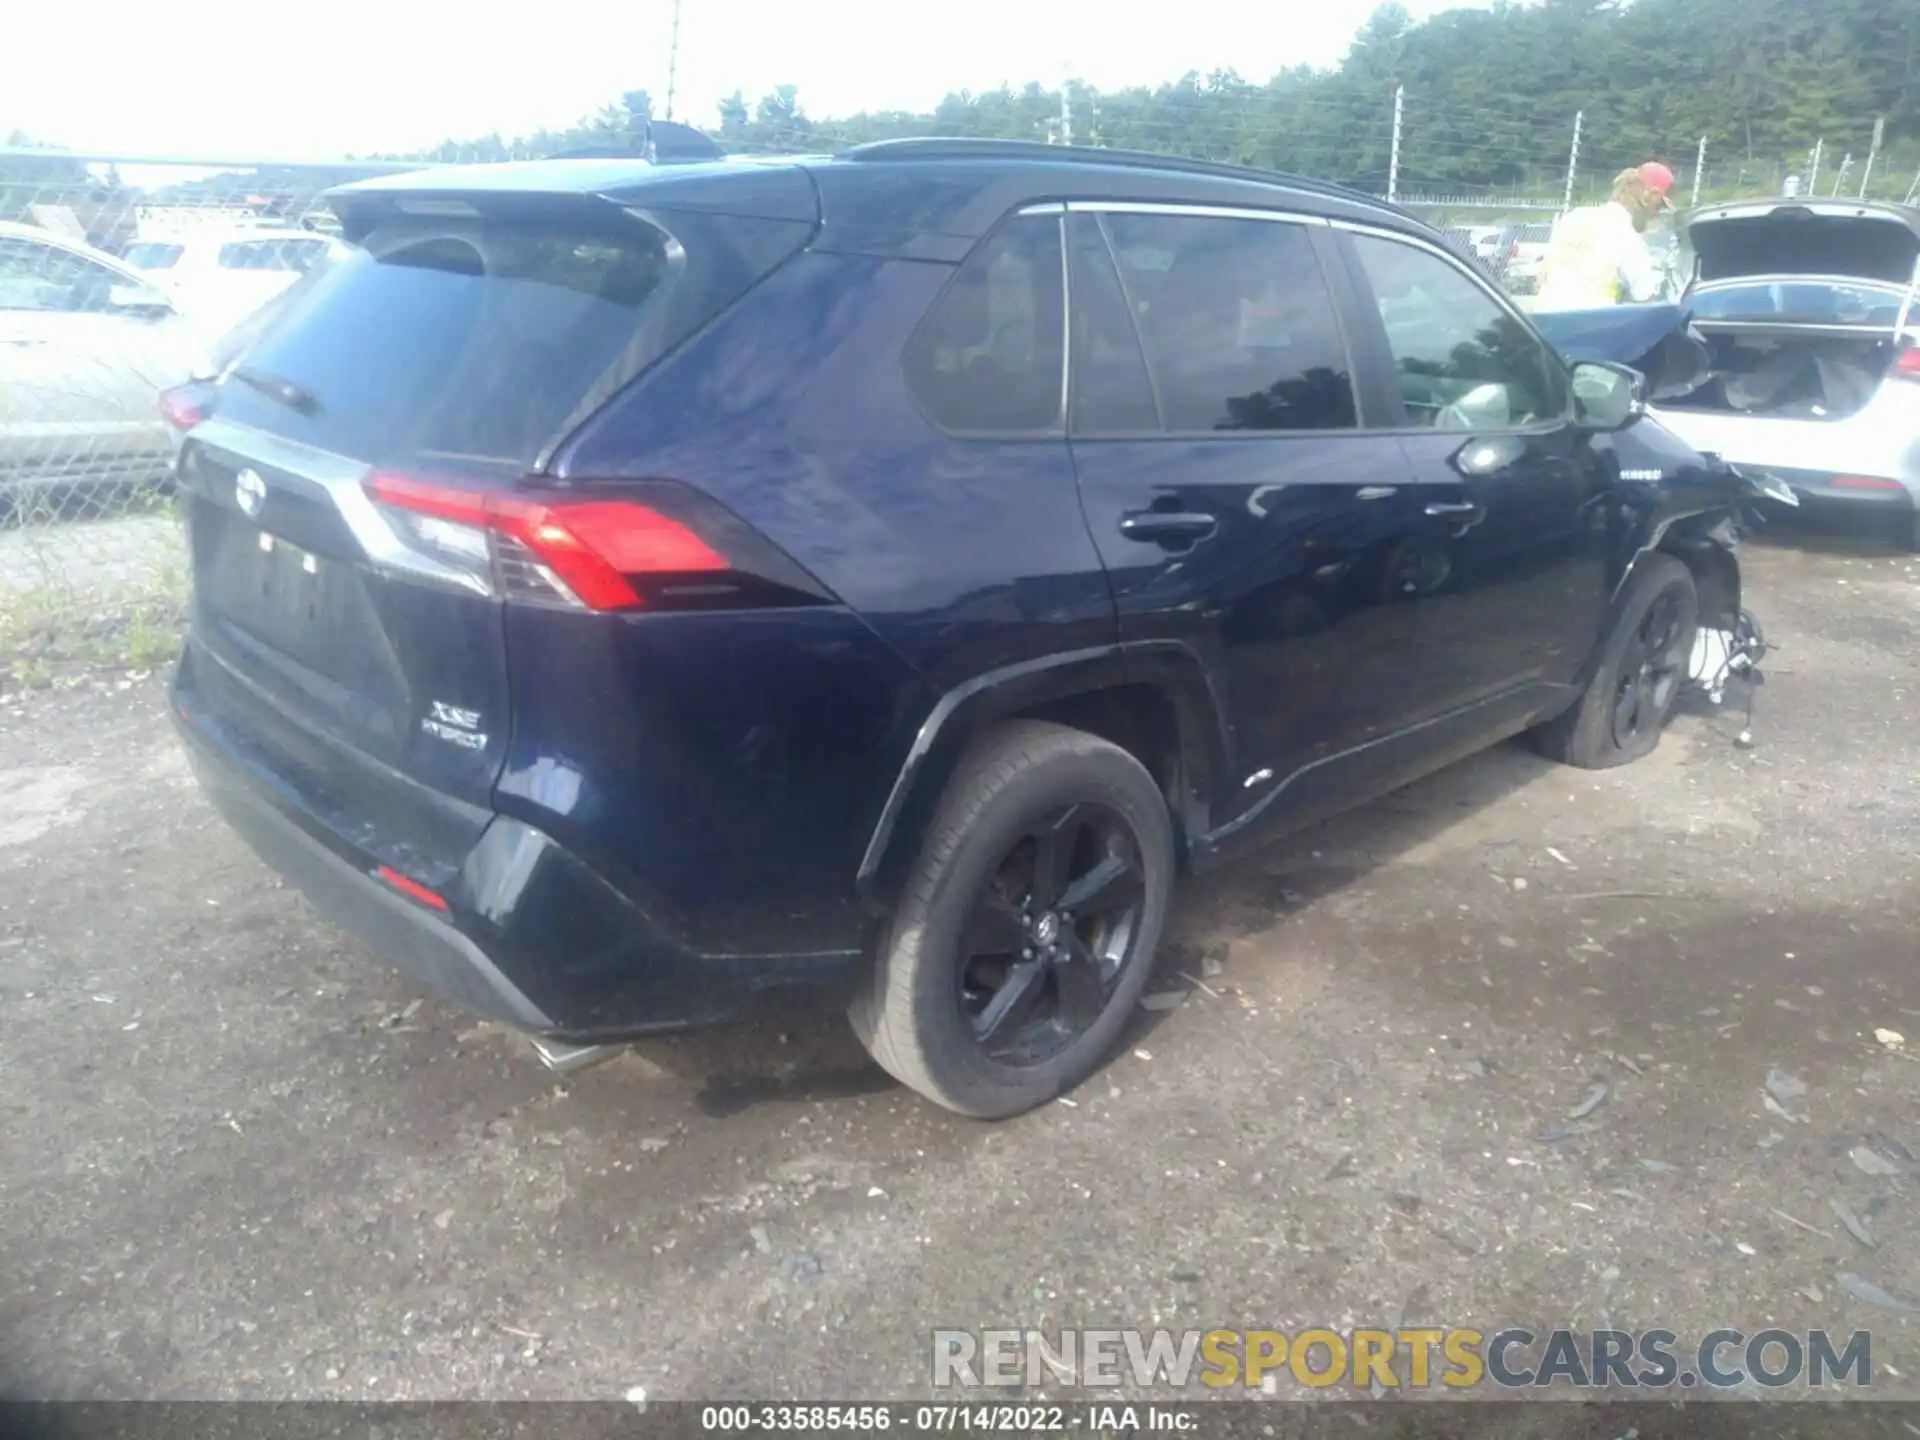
pixel 1573 160
pixel 1699 169
pixel 1813 168
pixel 1846 165
pixel 1393 158
pixel 1873 153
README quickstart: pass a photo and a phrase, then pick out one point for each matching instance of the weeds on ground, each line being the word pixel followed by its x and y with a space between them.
pixel 82 598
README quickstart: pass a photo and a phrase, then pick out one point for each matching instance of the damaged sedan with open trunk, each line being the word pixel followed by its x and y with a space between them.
pixel 1807 310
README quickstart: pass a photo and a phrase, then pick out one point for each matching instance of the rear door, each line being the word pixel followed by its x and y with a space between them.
pixel 1238 504
pixel 1515 492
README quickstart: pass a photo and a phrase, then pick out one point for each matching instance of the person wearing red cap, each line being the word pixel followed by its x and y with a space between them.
pixel 1596 257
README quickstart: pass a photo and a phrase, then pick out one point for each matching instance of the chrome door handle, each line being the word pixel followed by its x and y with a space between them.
pixel 1442 508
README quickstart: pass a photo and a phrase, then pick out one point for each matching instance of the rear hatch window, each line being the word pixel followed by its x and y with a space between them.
pixel 467 341
pixel 490 339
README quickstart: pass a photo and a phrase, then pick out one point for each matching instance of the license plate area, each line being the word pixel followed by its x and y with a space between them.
pixel 290 588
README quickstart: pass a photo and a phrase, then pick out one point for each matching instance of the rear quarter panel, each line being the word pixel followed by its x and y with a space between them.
pixel 952 557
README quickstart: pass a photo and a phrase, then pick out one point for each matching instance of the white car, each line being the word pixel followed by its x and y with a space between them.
pixel 86 345
pixel 1810 310
pixel 219 277
pixel 1527 256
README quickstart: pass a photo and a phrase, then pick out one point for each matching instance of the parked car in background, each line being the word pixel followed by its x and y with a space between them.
pixel 220 276
pixel 636 596
pixel 1811 312
pixel 1526 257
pixel 86 344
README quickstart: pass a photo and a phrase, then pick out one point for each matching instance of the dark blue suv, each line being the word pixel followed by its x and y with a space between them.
pixel 632 597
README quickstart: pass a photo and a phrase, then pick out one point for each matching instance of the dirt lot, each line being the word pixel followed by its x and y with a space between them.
pixel 237 1159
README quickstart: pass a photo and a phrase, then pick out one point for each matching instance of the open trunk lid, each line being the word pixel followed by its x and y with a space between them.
pixel 367 495
pixel 1836 238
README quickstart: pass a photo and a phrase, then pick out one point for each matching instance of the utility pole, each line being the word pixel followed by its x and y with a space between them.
pixel 1573 160
pixel 1066 113
pixel 1699 169
pixel 1846 164
pixel 1393 155
pixel 1873 153
pixel 673 58
pixel 1813 170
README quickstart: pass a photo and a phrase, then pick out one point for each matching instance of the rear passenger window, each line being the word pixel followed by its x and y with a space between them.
pixel 1239 330
pixel 1464 362
pixel 1112 394
pixel 989 356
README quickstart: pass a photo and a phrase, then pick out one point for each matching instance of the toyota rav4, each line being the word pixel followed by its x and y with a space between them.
pixel 637 596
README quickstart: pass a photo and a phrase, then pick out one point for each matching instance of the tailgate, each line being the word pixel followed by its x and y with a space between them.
pixel 347 682
pixel 344 501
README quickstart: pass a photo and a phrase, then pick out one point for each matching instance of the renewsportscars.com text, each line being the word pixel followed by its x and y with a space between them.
pixel 1405 1358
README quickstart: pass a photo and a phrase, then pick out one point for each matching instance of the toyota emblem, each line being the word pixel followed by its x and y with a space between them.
pixel 250 491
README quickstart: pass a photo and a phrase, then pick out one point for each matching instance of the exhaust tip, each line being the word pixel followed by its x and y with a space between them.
pixel 565 1059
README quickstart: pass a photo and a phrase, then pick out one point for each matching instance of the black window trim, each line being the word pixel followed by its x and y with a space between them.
pixel 1056 430
pixel 1499 298
pixel 1308 221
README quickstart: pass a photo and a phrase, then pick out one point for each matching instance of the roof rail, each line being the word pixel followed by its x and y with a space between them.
pixel 938 148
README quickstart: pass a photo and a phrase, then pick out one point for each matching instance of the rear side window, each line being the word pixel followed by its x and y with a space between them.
pixel 1238 328
pixel 1112 394
pixel 153 255
pixel 988 357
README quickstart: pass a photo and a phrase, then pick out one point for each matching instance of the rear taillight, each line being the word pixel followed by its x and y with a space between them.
pixel 1864 482
pixel 185 406
pixel 411 888
pixel 590 552
pixel 1906 365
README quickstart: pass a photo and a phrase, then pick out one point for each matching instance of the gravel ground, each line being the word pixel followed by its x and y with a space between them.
pixel 237 1159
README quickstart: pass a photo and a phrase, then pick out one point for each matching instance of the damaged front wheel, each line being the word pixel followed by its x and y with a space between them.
pixel 1642 669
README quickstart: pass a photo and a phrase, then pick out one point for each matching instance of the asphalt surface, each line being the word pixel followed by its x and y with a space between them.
pixel 239 1159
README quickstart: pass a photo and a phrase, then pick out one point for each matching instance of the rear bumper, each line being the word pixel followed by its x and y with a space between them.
pixel 1847 501
pixel 532 937
pixel 421 946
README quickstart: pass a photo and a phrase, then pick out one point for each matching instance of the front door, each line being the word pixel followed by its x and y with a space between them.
pixel 1520 497
pixel 1238 505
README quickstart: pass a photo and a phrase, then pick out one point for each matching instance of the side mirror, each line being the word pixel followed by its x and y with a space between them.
pixel 1607 396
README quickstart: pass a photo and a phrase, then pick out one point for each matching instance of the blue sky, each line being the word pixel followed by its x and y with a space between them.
pixel 238 77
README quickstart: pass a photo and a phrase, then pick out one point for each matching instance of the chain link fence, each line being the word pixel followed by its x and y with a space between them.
pixel 121 273
pixel 118 279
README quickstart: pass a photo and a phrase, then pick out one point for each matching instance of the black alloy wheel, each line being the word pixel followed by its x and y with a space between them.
pixel 1650 672
pixel 1050 932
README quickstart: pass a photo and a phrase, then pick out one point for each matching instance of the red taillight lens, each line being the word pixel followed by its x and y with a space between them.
pixel 1864 482
pixel 413 889
pixel 1906 364
pixel 579 550
pixel 184 406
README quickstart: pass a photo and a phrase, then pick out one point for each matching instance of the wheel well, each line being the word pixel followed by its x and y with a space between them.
pixel 1716 577
pixel 1139 718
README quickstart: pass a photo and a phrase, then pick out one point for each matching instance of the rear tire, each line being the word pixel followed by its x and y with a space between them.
pixel 1643 667
pixel 1027 926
